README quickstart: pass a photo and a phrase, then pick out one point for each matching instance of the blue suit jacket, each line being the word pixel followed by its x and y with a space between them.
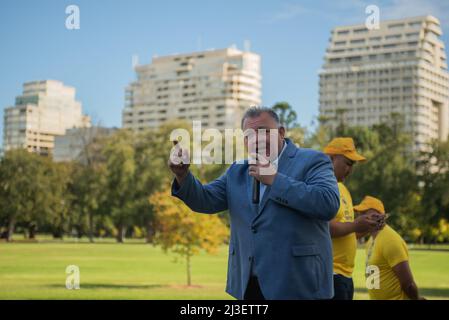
pixel 286 237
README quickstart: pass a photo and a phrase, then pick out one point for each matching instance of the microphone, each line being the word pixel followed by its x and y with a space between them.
pixel 256 186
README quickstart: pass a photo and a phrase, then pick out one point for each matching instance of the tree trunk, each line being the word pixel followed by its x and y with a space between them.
pixel 32 231
pixel 150 232
pixel 58 233
pixel 189 276
pixel 121 233
pixel 91 227
pixel 79 231
pixel 10 231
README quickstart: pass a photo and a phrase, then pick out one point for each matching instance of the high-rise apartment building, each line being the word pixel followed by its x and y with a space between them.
pixel 214 86
pixel 401 68
pixel 44 110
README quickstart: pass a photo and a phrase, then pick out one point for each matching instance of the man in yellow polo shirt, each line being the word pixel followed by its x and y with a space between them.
pixel 344 228
pixel 387 264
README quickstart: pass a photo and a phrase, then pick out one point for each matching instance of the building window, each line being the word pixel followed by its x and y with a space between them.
pixel 396 26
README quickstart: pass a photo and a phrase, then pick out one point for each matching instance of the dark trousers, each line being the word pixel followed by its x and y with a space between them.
pixel 343 287
pixel 253 291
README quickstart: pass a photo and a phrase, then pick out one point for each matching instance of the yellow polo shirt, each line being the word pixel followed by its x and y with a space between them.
pixel 387 251
pixel 344 248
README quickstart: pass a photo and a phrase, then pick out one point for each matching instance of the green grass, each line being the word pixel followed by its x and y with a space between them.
pixel 139 271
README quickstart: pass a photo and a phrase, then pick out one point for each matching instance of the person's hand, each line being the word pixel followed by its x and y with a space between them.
pixel 179 163
pixel 365 223
pixel 262 170
pixel 380 221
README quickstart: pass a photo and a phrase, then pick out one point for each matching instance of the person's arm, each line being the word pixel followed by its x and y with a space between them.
pixel 408 285
pixel 209 198
pixel 341 229
pixel 317 197
pixel 361 226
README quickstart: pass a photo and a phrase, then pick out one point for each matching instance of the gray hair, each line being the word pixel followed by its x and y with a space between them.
pixel 256 111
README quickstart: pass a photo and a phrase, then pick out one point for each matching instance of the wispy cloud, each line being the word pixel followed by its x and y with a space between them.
pixel 287 12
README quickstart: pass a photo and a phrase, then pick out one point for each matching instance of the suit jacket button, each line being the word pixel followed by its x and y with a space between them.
pixel 254 230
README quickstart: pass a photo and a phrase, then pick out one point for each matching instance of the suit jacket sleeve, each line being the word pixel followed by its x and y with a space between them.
pixel 317 197
pixel 209 198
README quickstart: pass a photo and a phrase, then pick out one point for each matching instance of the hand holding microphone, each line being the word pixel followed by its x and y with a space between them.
pixel 256 186
pixel 263 171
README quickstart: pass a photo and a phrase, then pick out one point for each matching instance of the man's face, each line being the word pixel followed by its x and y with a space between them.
pixel 262 126
pixel 342 167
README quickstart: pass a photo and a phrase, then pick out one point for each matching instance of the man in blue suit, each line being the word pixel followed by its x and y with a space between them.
pixel 280 248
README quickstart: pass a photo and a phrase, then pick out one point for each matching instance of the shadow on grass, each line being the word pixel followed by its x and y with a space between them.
pixel 426 292
pixel 115 286
pixel 430 249
pixel 434 292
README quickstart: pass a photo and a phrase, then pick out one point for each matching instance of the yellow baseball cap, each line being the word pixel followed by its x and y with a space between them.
pixel 345 147
pixel 370 203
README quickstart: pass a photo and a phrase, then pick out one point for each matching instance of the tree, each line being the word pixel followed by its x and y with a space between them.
pixel 88 180
pixel 151 173
pixel 183 232
pixel 87 189
pixel 17 190
pixel 120 173
pixel 287 115
pixel 433 169
pixel 32 191
pixel 288 118
pixel 321 137
pixel 57 216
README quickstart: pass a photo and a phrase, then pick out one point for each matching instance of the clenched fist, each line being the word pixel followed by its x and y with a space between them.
pixel 179 162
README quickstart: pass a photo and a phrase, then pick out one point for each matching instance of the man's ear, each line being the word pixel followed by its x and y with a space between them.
pixel 282 132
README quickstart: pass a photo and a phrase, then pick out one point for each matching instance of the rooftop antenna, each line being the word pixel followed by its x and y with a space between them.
pixel 247 45
pixel 135 61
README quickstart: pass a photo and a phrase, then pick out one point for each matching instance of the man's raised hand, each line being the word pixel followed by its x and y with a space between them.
pixel 179 162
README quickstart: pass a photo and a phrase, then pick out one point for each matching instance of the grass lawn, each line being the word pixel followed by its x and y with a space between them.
pixel 139 271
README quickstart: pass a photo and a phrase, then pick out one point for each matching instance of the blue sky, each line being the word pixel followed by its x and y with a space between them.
pixel 291 37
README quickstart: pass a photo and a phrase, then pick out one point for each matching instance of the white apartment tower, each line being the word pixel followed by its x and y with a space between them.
pixel 214 86
pixel 44 110
pixel 399 68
